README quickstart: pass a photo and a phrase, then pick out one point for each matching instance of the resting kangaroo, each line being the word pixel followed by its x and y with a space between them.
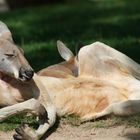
pixel 20 91
pixel 107 83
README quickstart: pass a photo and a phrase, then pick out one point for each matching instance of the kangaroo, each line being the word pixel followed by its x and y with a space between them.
pixel 21 90
pixel 107 83
pixel 64 69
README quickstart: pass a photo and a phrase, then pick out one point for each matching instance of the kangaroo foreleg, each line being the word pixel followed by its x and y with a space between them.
pixel 34 107
pixel 31 106
pixel 26 133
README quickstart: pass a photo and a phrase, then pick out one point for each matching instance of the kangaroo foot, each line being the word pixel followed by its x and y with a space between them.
pixel 25 133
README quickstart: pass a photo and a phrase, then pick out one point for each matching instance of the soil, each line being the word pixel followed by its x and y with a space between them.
pixel 84 132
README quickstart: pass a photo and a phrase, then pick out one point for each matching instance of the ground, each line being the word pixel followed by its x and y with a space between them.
pixel 68 132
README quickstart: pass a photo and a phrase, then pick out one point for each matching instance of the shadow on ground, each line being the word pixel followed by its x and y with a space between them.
pixel 133 135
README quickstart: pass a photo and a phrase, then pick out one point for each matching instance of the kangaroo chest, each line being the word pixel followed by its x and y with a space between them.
pixel 14 92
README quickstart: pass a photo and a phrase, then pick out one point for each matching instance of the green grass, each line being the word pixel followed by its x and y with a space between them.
pixel 107 122
pixel 36 30
pixel 15 121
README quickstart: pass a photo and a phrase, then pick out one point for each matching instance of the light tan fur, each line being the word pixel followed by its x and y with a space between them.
pixel 107 83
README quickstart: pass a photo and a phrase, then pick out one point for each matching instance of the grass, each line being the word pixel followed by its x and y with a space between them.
pixel 14 122
pixel 106 122
pixel 36 30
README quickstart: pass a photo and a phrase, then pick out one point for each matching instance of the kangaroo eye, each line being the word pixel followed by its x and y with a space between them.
pixel 9 55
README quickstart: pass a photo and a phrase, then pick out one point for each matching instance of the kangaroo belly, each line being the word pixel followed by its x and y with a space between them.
pixel 81 96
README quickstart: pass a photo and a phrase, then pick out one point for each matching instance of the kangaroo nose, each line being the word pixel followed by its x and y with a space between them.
pixel 29 73
pixel 26 74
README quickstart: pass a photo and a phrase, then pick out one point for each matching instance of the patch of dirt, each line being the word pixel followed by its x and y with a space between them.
pixel 68 132
pixel 84 132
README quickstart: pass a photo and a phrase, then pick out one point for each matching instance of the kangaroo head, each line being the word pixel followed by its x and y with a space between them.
pixel 12 60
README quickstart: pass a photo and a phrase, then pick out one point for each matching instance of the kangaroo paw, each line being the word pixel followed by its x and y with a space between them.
pixel 25 133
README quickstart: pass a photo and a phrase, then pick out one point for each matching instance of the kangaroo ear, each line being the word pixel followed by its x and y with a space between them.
pixel 5 32
pixel 64 51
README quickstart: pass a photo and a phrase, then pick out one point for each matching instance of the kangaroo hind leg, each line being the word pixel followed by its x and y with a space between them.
pixel 124 108
pixel 94 115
